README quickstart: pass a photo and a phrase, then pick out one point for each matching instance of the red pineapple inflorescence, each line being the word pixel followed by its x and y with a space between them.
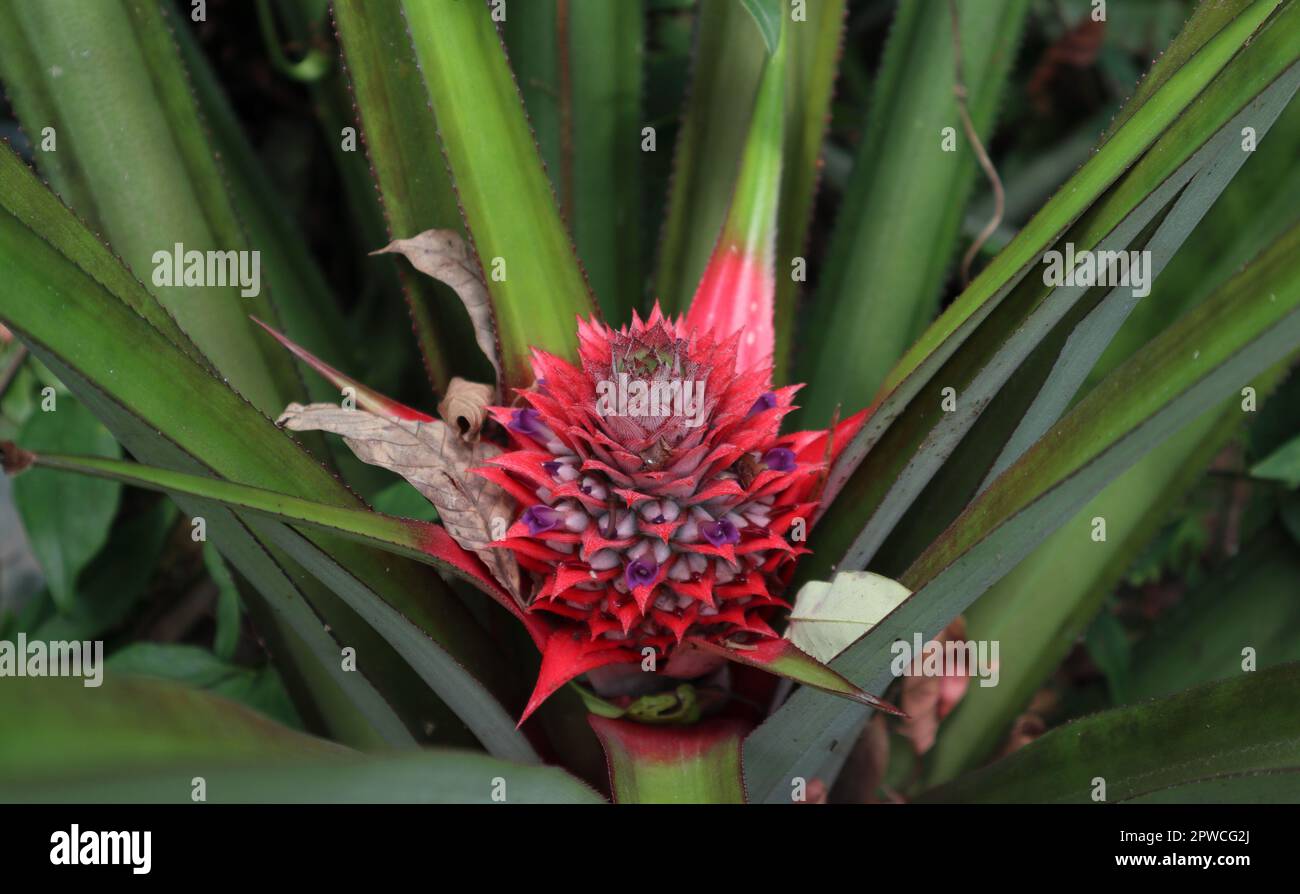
pixel 645 524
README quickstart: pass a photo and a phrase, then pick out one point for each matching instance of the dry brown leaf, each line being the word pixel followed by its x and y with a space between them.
pixel 464 406
pixel 444 255
pixel 432 458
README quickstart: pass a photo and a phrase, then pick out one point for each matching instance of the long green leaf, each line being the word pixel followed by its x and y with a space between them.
pixel 814 49
pixel 728 60
pixel 360 715
pixel 579 65
pixel 401 141
pixel 910 436
pixel 344 703
pixel 307 305
pixel 133 157
pixel 532 274
pixel 1249 325
pixel 1130 142
pixel 79 324
pixel 137 740
pixel 1040 608
pixel 606 45
pixel 1210 734
pixel 767 16
pixel 1050 377
pixel 421 541
pixel 898 227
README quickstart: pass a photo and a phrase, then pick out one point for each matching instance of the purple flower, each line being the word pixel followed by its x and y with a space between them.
pixel 766 401
pixel 720 532
pixel 641 572
pixel 552 468
pixel 779 459
pixel 526 421
pixel 540 519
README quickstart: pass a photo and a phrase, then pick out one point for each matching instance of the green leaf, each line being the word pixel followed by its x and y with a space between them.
pixel 910 437
pixel 673 765
pixel 259 689
pixel 133 157
pixel 737 291
pixel 728 61
pixel 1197 738
pixel 785 659
pixel 1243 330
pixel 1207 20
pixel 137 740
pixel 229 613
pixel 132 723
pixel 1248 603
pixel 814 50
pixel 76 328
pixel 409 638
pixel 1283 465
pixel 67 521
pixel 1254 210
pixel 884 268
pixel 307 305
pixel 579 66
pixel 1257 68
pixel 1043 605
pixel 767 16
pixel 472 703
pixel 1109 648
pixel 603 204
pixel 112 586
pixel 352 708
pixel 402 144
pixel 1039 610
pixel 1262 787
pixel 418 540
pixel 532 274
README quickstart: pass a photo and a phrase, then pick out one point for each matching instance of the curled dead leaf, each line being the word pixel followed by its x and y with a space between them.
pixel 444 255
pixel 464 406
pixel 434 459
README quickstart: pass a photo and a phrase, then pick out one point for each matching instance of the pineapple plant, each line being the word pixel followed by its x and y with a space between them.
pixel 643 531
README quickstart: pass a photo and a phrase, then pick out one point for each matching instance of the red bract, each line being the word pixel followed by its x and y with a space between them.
pixel 657 502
